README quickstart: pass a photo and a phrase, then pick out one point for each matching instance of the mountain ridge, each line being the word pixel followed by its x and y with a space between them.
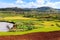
pixel 41 9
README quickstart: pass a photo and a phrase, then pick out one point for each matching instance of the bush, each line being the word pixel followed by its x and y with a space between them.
pixel 57 25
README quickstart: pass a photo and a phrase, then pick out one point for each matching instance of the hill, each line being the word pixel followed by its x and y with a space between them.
pixel 41 9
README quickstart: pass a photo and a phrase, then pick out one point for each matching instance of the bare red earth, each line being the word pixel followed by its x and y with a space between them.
pixel 34 36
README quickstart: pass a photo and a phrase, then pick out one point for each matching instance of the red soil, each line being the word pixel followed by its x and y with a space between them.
pixel 34 36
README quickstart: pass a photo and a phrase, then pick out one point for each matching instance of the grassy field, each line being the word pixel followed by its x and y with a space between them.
pixel 40 26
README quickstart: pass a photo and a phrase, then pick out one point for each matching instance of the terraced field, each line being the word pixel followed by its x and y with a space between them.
pixel 39 26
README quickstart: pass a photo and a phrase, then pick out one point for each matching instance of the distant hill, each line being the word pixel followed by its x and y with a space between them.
pixel 43 9
pixel 11 9
pixel 40 9
pixel 47 9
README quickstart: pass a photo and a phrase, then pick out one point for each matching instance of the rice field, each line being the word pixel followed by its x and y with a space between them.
pixel 42 26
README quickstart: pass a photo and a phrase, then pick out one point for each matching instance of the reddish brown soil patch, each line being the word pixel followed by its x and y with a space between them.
pixel 34 36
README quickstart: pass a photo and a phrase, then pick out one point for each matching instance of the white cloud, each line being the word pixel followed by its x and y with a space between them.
pixel 40 1
pixel 3 5
pixel 57 5
pixel 24 4
pixel 19 1
pixel 37 3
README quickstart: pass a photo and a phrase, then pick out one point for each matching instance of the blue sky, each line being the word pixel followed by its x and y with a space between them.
pixel 30 3
pixel 7 1
pixel 54 0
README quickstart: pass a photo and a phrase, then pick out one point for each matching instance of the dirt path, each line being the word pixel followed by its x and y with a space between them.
pixel 34 36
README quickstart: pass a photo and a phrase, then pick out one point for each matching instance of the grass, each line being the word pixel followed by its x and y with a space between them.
pixel 31 31
pixel 44 26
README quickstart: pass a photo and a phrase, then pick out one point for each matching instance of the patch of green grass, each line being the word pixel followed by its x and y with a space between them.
pixel 43 26
pixel 31 31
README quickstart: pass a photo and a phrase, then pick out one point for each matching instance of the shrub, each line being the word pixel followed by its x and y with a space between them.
pixel 57 25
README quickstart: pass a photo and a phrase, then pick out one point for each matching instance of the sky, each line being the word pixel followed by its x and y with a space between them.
pixel 30 3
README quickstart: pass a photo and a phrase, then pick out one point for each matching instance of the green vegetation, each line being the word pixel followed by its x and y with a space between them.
pixel 30 21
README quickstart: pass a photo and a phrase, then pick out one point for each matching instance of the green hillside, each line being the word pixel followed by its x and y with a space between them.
pixel 31 20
